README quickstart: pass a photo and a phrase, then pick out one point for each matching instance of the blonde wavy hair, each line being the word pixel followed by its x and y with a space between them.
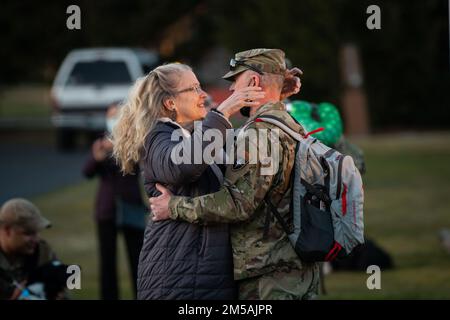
pixel 138 115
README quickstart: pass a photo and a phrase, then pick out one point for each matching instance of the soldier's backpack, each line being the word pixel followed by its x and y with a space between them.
pixel 327 200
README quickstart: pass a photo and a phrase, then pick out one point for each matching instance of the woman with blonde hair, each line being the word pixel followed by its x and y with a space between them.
pixel 178 260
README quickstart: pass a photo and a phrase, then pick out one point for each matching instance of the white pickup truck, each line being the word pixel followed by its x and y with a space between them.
pixel 88 81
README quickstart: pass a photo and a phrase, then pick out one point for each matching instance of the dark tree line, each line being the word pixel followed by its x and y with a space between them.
pixel 405 64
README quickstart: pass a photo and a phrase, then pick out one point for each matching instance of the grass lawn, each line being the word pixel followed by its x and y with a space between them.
pixel 25 102
pixel 407 201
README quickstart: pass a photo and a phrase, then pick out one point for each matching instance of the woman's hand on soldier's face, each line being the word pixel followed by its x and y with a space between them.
pixel 160 205
pixel 245 97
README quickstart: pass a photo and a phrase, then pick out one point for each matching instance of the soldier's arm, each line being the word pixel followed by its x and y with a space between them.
pixel 232 203
pixel 243 191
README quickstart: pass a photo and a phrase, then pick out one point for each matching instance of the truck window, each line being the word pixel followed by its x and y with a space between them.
pixel 99 73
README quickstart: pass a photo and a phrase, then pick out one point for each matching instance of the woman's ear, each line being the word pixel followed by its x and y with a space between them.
pixel 169 103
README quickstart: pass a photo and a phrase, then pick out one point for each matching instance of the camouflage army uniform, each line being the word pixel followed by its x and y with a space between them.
pixel 266 267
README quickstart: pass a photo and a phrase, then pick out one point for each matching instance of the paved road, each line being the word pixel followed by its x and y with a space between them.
pixel 27 170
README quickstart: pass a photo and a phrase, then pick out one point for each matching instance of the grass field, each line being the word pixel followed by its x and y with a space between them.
pixel 407 201
pixel 407 194
pixel 25 102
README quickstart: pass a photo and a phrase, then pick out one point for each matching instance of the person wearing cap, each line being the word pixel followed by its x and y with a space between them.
pixel 21 249
pixel 265 264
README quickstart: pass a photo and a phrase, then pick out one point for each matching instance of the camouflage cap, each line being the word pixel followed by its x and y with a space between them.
pixel 259 60
pixel 23 213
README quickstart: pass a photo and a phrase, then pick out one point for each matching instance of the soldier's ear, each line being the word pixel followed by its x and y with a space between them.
pixel 256 80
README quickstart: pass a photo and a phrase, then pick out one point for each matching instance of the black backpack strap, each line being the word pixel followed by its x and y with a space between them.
pixel 296 135
pixel 317 192
pixel 278 216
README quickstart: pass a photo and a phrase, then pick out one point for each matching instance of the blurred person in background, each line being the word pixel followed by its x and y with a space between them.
pixel 118 207
pixel 29 268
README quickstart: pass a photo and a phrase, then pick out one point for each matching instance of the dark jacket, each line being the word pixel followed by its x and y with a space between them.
pixel 180 260
pixel 22 269
pixel 113 185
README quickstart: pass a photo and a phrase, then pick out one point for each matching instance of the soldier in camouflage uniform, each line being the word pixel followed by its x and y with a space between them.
pixel 22 251
pixel 265 264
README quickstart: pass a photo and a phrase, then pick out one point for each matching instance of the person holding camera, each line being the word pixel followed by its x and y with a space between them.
pixel 27 262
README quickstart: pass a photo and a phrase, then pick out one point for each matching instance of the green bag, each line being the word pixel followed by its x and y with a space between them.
pixel 313 116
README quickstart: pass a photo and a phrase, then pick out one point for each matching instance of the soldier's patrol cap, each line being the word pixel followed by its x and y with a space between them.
pixel 258 60
pixel 21 212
